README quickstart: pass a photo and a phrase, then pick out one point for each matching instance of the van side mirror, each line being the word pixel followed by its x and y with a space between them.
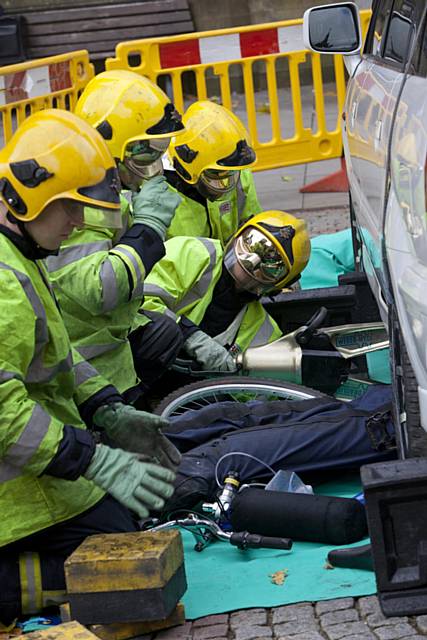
pixel 333 28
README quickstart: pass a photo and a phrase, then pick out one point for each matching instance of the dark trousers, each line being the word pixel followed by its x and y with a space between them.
pixel 155 347
pixel 52 546
pixel 310 437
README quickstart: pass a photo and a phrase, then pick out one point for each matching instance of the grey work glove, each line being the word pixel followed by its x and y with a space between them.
pixel 139 432
pixel 155 204
pixel 209 353
pixel 140 486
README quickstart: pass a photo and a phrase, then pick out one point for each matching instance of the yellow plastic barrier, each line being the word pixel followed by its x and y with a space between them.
pixel 30 86
pixel 213 54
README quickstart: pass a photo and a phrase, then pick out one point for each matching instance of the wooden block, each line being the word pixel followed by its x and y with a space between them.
pixel 67 631
pixel 64 612
pixel 126 630
pixel 124 562
pixel 126 577
pixel 105 607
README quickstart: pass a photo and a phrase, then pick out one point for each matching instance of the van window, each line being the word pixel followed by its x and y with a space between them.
pixel 420 55
pixel 402 27
pixel 392 29
pixel 381 11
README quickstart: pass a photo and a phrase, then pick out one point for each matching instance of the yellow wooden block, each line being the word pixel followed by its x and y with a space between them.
pixel 124 562
pixel 64 612
pixel 66 631
pixel 126 630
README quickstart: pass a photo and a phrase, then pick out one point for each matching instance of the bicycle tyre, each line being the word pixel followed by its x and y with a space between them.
pixel 195 395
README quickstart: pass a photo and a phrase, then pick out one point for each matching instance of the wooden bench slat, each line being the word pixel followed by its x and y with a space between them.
pixel 87 13
pixel 87 37
pixel 100 49
pixel 100 28
pixel 103 24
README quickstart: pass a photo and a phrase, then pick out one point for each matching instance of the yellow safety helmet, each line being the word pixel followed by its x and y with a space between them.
pixel 126 108
pixel 268 252
pixel 215 144
pixel 55 155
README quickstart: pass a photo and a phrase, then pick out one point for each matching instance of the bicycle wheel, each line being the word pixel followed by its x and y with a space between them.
pixel 235 389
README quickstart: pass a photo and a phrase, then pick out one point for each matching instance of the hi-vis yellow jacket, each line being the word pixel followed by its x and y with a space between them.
pixel 182 284
pixel 42 383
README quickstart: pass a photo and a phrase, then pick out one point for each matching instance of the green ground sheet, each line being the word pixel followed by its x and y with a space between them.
pixel 222 578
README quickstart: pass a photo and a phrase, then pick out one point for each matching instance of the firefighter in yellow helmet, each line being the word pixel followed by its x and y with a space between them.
pixel 214 292
pixel 210 169
pixel 136 119
pixel 57 485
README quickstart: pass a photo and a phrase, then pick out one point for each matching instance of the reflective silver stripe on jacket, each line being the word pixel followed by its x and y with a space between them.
pixel 8 472
pixel 68 255
pixel 110 290
pixel 28 443
pixel 5 376
pixel 201 287
pixel 84 371
pixel 241 200
pixel 264 333
pixel 228 336
pixel 138 292
pixel 94 350
pixel 138 289
pixel 158 292
pixel 37 372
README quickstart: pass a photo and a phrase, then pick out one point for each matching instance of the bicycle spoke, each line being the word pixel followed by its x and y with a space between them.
pixel 200 405
pixel 200 397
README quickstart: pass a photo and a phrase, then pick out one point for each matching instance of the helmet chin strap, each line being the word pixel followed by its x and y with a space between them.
pixel 38 251
pixel 21 226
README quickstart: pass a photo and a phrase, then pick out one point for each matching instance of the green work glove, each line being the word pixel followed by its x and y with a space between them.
pixel 155 204
pixel 209 353
pixel 140 486
pixel 138 431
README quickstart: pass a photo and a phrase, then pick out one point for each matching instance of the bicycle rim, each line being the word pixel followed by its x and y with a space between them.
pixel 192 399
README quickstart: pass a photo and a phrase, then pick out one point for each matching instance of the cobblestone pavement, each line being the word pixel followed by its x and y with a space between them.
pixel 343 618
pixel 325 220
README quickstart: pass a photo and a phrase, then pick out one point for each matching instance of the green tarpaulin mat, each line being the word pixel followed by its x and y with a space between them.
pixel 332 256
pixel 222 578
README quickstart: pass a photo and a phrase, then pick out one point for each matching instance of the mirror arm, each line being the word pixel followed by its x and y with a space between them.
pixel 351 63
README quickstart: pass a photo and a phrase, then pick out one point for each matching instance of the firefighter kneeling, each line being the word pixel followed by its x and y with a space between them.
pixel 57 486
pixel 214 292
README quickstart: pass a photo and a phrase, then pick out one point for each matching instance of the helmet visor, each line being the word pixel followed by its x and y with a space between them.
pixel 219 182
pixel 255 262
pixel 92 217
pixel 145 152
